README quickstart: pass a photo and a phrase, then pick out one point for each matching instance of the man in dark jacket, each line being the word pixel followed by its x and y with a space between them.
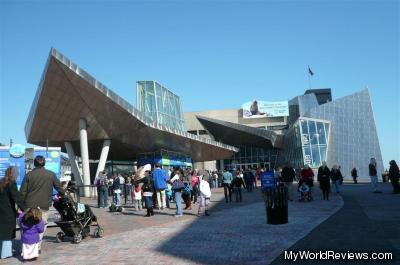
pixel 37 188
pixel 288 176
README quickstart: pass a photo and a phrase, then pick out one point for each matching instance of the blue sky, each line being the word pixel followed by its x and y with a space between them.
pixel 214 54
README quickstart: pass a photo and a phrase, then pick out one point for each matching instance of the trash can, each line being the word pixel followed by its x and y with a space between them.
pixel 276 204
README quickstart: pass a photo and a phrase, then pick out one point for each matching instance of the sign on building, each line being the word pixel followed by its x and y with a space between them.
pixel 260 109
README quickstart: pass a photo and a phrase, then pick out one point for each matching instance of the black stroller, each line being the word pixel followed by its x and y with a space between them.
pixel 76 219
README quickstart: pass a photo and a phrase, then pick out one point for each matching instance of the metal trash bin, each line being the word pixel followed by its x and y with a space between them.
pixel 276 205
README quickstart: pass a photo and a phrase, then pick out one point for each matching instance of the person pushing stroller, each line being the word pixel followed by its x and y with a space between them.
pixel 306 180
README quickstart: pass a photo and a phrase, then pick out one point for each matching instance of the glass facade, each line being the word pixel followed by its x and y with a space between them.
pixel 354 139
pixel 252 156
pixel 159 104
pixel 306 142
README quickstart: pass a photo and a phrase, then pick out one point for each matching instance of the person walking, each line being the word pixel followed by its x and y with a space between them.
pixel 307 177
pixel 336 177
pixel 9 197
pixel 394 176
pixel 249 179
pixel 32 226
pixel 323 178
pixel 137 197
pixel 160 178
pixel 148 190
pixel 37 189
pixel 205 195
pixel 194 181
pixel 288 176
pixel 373 174
pixel 354 175
pixel 177 187
pixel 226 183
pixel 102 190
pixel 237 184
pixel 117 190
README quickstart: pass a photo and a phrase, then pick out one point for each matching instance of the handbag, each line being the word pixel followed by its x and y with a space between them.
pixel 178 185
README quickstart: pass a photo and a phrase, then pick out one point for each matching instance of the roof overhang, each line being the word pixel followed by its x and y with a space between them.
pixel 239 134
pixel 67 93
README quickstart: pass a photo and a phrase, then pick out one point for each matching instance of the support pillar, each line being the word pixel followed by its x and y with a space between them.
pixel 74 163
pixel 103 157
pixel 84 155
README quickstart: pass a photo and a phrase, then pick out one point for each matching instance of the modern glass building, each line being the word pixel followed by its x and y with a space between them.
pixel 160 104
pixel 339 131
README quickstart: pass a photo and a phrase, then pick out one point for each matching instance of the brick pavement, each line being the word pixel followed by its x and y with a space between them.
pixel 235 233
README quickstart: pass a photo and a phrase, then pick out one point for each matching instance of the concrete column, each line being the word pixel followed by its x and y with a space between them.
pixel 221 164
pixel 74 163
pixel 84 155
pixel 103 157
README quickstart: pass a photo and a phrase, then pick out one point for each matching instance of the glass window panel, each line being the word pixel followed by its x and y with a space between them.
pixel 323 153
pixel 316 161
pixel 321 133
pixel 307 155
pixel 313 132
pixel 327 130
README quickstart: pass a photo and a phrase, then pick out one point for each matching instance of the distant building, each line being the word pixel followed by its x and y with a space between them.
pixel 314 129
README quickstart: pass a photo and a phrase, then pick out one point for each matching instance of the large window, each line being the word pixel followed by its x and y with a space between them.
pixel 159 104
pixel 314 139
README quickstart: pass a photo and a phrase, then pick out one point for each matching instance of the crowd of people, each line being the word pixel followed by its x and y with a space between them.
pixel 158 187
pixel 153 188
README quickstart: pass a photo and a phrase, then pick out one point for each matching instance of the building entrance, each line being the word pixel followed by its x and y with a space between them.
pixel 265 165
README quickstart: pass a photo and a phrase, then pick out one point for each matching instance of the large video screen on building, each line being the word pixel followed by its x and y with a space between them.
pixel 260 109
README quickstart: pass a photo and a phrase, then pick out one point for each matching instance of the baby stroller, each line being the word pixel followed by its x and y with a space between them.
pixel 76 219
pixel 305 192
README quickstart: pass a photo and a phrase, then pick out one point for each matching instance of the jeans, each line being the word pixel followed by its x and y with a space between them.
pixel 227 190
pixel 203 204
pixel 148 201
pixel 215 183
pixel 128 189
pixel 167 199
pixel 337 184
pixel 137 204
pixel 238 193
pixel 374 183
pixel 102 196
pixel 178 201
pixel 249 186
pixel 161 199
pixel 6 249
pixel 117 199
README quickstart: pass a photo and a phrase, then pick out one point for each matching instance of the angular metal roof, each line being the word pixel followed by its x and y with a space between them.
pixel 239 134
pixel 67 93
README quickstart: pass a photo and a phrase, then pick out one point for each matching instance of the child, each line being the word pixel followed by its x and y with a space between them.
pixel 148 196
pixel 31 225
pixel 137 197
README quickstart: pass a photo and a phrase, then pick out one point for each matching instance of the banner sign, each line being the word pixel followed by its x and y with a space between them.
pixel 14 156
pixel 21 158
pixel 267 180
pixel 260 109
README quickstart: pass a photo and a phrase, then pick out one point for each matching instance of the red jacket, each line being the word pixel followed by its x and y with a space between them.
pixel 307 174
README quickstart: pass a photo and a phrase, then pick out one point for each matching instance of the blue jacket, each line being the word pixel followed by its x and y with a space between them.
pixel 160 178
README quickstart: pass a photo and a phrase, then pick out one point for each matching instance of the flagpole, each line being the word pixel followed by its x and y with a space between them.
pixel 309 81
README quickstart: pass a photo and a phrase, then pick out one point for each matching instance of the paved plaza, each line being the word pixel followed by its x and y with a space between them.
pixel 235 233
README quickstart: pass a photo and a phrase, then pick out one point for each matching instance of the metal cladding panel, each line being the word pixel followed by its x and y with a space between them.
pixel 67 93
pixel 353 138
pixel 238 134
